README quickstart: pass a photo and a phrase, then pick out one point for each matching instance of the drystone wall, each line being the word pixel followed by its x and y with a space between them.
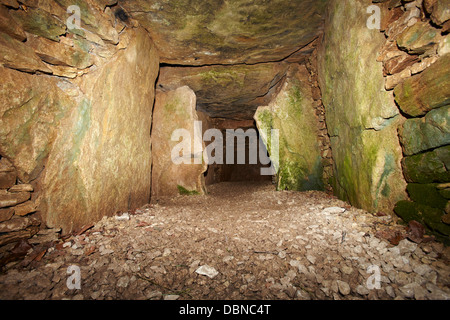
pixel 386 95
pixel 416 64
pixel 17 218
pixel 75 110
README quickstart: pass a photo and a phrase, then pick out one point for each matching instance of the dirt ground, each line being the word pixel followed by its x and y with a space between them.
pixel 256 243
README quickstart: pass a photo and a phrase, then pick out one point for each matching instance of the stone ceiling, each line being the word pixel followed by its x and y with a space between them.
pixel 204 32
pixel 228 51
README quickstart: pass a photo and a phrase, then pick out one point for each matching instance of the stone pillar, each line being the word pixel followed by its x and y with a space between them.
pixel 177 146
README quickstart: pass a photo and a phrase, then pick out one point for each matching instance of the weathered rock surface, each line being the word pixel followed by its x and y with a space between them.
pixel 95 19
pixel 25 208
pixel 16 55
pixel 427 194
pixel 222 32
pixel 30 119
pixel 418 38
pixel 15 224
pixel 439 10
pixel 178 162
pixel 9 26
pixel 227 91
pixel 425 91
pixel 40 22
pixel 21 188
pixel 6 214
pixel 362 118
pixel 429 132
pixel 299 164
pixel 429 216
pixel 60 54
pixel 106 134
pixel 8 174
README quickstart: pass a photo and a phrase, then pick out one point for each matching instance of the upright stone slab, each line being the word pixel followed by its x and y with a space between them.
pixel 177 147
pixel 361 116
pixel 292 113
pixel 100 161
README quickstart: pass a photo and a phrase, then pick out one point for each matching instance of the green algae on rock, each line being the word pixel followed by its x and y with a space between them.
pixel 362 118
pixel 428 167
pixel 429 132
pixel 292 113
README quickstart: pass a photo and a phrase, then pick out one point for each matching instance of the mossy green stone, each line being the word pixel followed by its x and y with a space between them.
pixel 426 194
pixel 445 193
pixel 428 216
pixel 299 166
pixel 183 191
pixel 362 119
pixel 428 167
pixel 429 132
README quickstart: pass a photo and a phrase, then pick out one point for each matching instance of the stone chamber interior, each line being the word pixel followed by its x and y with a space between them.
pixel 93 93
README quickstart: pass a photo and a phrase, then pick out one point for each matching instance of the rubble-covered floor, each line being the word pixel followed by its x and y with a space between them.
pixel 257 242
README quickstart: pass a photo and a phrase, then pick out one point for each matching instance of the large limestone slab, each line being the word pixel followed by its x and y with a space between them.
pixel 362 118
pixel 175 110
pixel 429 216
pixel 227 91
pixel 431 131
pixel 427 194
pixel 100 161
pixel 292 113
pixel 228 32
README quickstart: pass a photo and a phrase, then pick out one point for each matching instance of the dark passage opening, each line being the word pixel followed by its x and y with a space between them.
pixel 244 162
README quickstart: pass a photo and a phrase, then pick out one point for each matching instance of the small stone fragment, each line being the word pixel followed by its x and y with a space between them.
pixel 333 210
pixel 207 271
pixel 124 217
pixel 344 287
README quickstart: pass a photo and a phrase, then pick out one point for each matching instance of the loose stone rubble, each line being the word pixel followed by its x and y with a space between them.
pixel 263 244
